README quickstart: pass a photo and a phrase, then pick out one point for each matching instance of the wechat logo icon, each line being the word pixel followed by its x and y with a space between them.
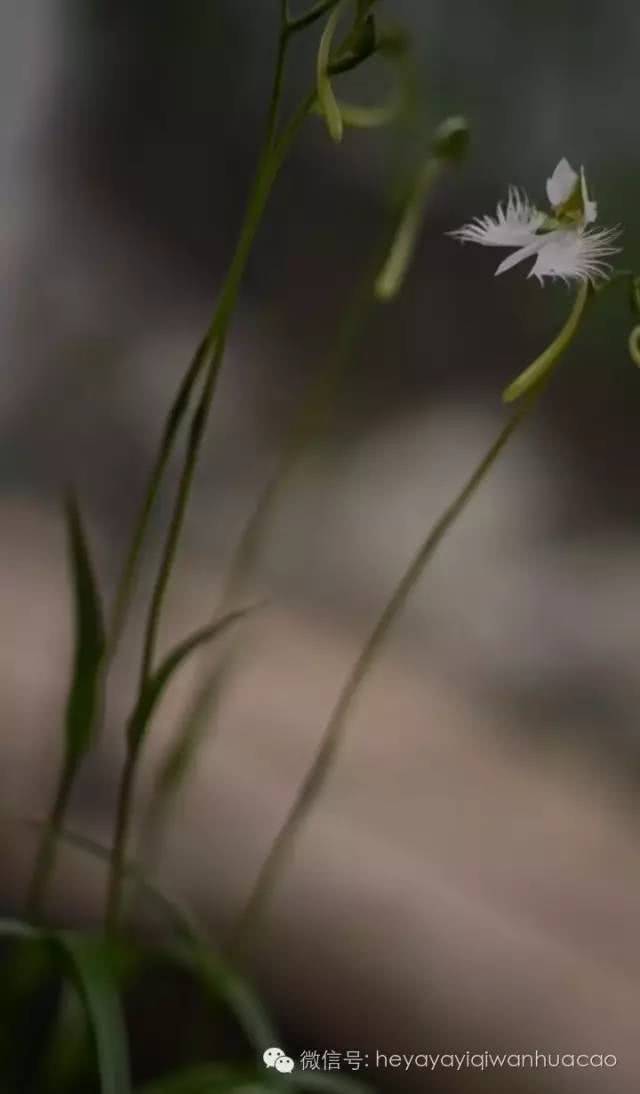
pixel 275 1057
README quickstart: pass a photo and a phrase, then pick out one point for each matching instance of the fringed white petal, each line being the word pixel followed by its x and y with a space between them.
pixel 527 251
pixel 514 224
pixel 575 255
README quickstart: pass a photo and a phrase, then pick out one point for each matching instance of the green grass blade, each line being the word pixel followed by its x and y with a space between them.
pixel 222 983
pixel 154 687
pixel 84 693
pixel 83 700
pixel 191 952
pixel 90 960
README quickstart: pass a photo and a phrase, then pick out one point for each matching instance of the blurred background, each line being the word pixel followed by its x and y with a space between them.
pixel 471 877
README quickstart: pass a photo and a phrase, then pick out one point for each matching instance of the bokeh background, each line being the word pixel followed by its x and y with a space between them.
pixel 471 878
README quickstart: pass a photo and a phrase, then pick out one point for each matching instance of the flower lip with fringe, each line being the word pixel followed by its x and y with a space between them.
pixel 562 243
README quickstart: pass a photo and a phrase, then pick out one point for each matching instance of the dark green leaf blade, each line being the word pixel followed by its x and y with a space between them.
pixel 84 693
pixel 220 982
pixel 90 960
pixel 154 688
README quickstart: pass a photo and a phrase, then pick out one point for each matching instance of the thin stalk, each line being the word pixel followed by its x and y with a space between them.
pixel 308 423
pixel 540 368
pixel 214 343
pixel 177 520
pixel 333 734
pixel 266 177
pixel 127 583
pixel 48 846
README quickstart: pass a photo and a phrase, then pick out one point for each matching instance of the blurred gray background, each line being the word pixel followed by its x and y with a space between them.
pixel 474 864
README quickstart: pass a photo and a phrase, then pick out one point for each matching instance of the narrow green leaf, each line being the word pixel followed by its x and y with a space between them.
pixel 221 983
pixel 189 948
pixel 90 960
pixel 154 688
pixel 84 693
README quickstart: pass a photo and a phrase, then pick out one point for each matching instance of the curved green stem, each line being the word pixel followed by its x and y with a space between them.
pixel 334 731
pixel 326 98
pixel 542 366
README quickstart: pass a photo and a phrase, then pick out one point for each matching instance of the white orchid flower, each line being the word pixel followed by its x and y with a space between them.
pixel 562 243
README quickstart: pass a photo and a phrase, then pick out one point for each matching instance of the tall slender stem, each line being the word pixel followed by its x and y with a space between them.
pixel 334 731
pixel 265 178
pixel 126 585
pixel 211 356
pixel 309 420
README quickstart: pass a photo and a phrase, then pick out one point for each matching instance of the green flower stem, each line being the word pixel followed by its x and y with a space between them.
pixel 216 341
pixel 543 364
pixel 128 579
pixel 309 422
pixel 213 352
pixel 333 734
